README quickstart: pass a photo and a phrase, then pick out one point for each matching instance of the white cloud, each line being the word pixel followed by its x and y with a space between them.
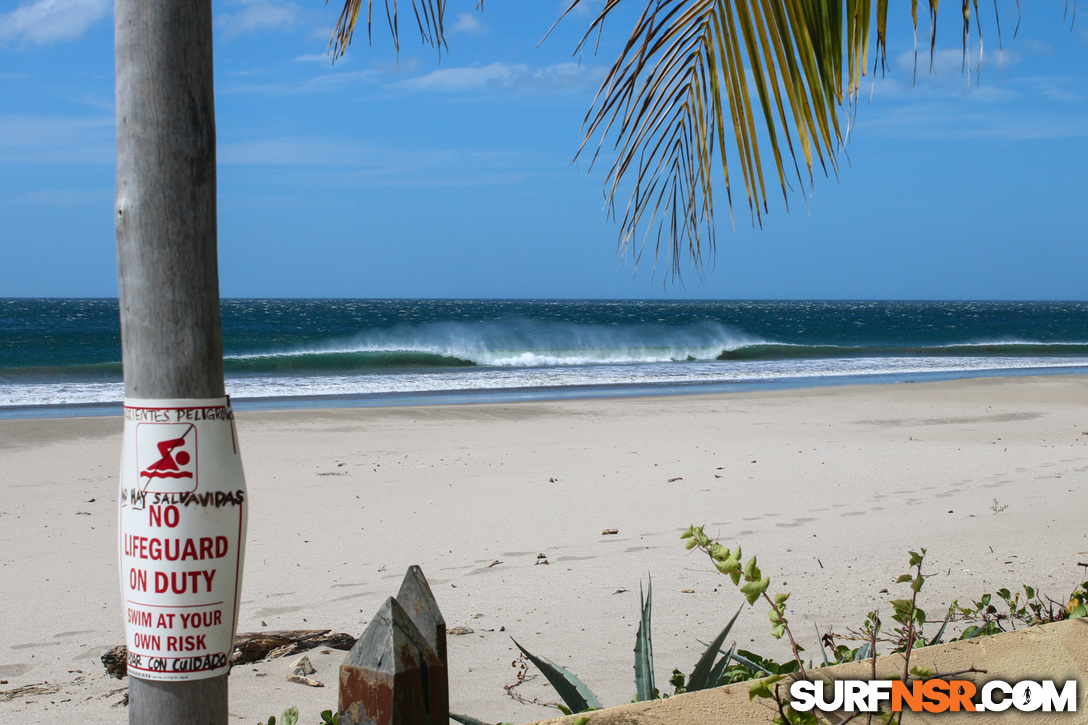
pixel 43 22
pixel 320 58
pixel 954 122
pixel 321 34
pixel 1063 89
pixel 50 139
pixel 567 75
pixel 1037 48
pixel 344 162
pixel 291 151
pixel 325 82
pixel 332 81
pixel 505 75
pixel 950 62
pixel 467 24
pixel 257 15
pixel 585 8
pixel 467 78
pixel 102 198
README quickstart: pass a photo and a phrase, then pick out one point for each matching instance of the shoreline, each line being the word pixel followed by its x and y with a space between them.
pixel 551 393
pixel 830 487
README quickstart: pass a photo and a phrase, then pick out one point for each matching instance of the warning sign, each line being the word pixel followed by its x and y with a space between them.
pixel 182 527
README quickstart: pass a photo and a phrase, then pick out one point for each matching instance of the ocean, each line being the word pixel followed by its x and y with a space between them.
pixel 62 356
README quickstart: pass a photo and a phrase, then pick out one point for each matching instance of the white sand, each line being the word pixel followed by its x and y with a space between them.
pixel 830 487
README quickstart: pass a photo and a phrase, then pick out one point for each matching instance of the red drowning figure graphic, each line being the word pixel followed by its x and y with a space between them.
pixel 167 466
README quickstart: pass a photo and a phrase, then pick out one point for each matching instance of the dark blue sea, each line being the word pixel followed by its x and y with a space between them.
pixel 283 352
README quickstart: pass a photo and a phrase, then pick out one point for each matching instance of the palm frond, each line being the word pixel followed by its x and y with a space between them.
pixel 429 15
pixel 701 83
pixel 699 79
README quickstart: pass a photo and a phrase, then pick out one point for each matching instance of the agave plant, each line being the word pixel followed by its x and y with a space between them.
pixel 577 697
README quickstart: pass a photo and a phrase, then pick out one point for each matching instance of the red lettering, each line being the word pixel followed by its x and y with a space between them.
pixel 147 641
pixel 195 620
pixel 137 580
pixel 139 617
pixel 157 516
pixel 186 643
pixel 155 549
pixel 183 582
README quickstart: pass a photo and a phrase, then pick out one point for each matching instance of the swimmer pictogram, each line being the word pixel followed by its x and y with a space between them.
pixel 167 451
pixel 168 465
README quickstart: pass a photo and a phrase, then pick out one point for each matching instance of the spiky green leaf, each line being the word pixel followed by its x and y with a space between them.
pixel 745 662
pixel 944 624
pixel 466 719
pixel 572 690
pixel 700 677
pixel 718 670
pixel 644 651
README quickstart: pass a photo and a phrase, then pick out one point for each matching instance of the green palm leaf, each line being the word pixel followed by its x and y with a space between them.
pixel 680 95
pixel 698 85
pixel 429 16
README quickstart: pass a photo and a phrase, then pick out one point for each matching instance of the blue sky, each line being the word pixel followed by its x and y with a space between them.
pixel 452 177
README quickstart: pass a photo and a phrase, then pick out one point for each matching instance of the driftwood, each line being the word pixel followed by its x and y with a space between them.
pixel 40 688
pixel 253 647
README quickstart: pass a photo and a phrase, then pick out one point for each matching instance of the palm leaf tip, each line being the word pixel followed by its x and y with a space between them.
pixel 429 15
pixel 698 80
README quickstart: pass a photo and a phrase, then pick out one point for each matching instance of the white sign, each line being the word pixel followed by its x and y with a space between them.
pixel 183 513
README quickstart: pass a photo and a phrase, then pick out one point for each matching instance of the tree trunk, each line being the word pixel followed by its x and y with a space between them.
pixel 166 250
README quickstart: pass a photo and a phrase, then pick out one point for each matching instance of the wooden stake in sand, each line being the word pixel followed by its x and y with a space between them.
pixel 394 674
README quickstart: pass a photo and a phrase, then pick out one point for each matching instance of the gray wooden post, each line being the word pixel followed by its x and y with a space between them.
pixel 166 250
pixel 392 676
pixel 418 601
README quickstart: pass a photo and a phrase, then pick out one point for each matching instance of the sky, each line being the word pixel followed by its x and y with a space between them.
pixel 453 175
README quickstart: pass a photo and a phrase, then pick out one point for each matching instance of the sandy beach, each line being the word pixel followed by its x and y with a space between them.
pixel 830 487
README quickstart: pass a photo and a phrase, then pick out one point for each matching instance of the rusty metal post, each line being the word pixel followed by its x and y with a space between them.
pixel 392 676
